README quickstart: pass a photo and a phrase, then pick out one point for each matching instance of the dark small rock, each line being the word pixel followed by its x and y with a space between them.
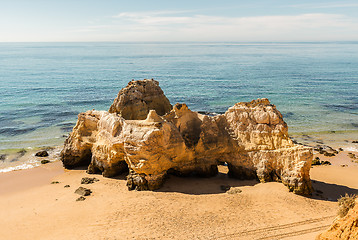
pixel 55 182
pixel 42 154
pixel 44 161
pixel 321 151
pixel 316 161
pixel 82 198
pixel 326 163
pixel 234 190
pixel 224 187
pixel 340 149
pixel 22 152
pixel 67 186
pixel 354 141
pixel 344 165
pixel 2 157
pixel 88 180
pixel 83 191
pixel 328 154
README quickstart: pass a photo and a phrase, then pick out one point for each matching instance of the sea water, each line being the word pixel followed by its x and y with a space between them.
pixel 43 86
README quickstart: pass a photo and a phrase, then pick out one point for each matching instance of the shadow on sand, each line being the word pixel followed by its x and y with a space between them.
pixel 330 192
pixel 216 185
pixel 198 186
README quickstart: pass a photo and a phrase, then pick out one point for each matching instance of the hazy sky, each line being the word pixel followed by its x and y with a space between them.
pixel 184 20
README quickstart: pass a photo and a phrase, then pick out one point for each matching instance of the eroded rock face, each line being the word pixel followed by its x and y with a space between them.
pixel 343 228
pixel 77 150
pixel 250 137
pixel 134 101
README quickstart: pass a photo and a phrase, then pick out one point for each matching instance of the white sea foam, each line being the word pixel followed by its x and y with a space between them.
pixel 351 149
pixel 19 167
pixel 30 162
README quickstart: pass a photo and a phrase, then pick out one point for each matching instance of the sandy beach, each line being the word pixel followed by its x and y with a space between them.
pixel 33 207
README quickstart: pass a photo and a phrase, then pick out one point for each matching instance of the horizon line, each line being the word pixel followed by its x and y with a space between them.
pixel 171 42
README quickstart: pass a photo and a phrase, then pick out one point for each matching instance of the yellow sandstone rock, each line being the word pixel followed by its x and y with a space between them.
pixel 345 228
pixel 134 101
pixel 251 138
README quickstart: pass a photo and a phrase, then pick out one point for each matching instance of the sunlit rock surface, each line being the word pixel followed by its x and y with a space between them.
pixel 142 132
pixel 343 228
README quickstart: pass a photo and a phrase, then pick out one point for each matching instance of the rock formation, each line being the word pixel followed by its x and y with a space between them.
pixel 134 101
pixel 343 228
pixel 143 133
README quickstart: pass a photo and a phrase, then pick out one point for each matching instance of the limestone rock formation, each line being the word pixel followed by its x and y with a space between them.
pixel 251 138
pixel 134 101
pixel 343 228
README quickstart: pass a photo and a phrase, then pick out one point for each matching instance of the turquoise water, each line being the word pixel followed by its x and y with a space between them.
pixel 45 85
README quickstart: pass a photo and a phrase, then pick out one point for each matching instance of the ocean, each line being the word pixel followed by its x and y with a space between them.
pixel 45 85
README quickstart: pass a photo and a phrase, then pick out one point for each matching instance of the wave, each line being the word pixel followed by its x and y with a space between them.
pixel 27 165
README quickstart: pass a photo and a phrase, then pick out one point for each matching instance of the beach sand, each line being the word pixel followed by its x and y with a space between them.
pixel 185 208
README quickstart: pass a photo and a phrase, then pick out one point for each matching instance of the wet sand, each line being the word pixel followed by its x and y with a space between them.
pixel 185 208
pixel 18 181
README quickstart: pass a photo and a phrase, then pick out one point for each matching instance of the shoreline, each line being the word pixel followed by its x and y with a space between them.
pixel 334 139
pixel 22 159
pixel 27 179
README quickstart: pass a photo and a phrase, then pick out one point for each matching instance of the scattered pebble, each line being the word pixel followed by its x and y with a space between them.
pixel 3 157
pixel 67 186
pixel 326 163
pixel 234 190
pixel 42 154
pixel 22 152
pixel 44 161
pixel 83 191
pixel 354 141
pixel 344 165
pixel 352 155
pixel 328 154
pixel 316 161
pixel 326 150
pixel 55 182
pixel 82 198
pixel 88 180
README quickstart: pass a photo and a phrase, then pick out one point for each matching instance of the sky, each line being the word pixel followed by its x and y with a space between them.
pixel 184 20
